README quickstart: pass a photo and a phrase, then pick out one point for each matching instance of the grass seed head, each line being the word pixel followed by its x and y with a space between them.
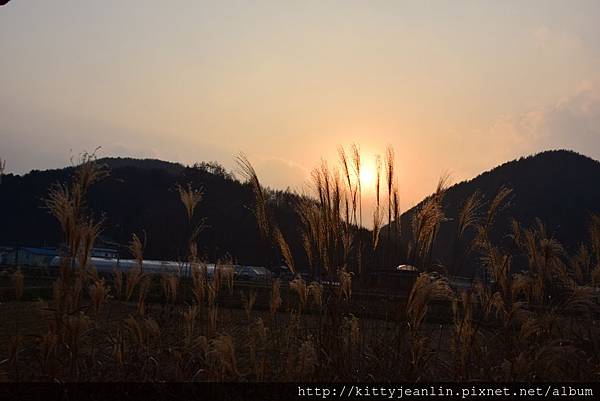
pixel 190 198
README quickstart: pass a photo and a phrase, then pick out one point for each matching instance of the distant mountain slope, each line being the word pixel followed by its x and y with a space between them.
pixel 144 164
pixel 559 187
pixel 141 196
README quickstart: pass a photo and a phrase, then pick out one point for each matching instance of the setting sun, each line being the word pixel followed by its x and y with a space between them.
pixel 368 176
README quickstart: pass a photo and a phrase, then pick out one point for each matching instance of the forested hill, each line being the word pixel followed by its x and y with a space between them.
pixel 140 196
pixel 559 187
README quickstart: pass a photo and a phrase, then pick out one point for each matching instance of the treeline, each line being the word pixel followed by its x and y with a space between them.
pixel 141 196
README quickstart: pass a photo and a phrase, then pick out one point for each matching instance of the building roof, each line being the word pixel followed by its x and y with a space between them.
pixel 104 250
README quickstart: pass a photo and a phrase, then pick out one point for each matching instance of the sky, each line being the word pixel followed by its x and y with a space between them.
pixel 453 86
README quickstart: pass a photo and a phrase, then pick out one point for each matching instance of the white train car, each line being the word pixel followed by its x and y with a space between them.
pixel 106 265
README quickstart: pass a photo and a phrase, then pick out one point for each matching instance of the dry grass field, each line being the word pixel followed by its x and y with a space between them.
pixel 535 325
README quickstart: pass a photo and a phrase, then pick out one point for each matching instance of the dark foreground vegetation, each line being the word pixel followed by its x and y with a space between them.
pixel 531 315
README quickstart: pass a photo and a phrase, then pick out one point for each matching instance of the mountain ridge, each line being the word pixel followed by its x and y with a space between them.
pixel 555 186
pixel 140 195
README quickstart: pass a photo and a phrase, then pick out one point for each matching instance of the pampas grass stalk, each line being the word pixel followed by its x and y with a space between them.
pixel 190 198
pixel 248 302
pixel 356 164
pixel 285 250
pixel 260 196
pixel 199 282
pixel 350 187
pixel 377 213
pixel 389 179
pixel 299 286
pixel 170 284
pixel 426 223
pixel 345 280
pixel 189 323
pixel 118 282
pixel 315 290
pixel 98 295
pixel 275 301
pixel 2 168
pixel 18 282
pixel 136 247
pixel 468 217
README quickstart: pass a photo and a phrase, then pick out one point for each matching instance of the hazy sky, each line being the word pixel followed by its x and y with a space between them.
pixel 455 86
